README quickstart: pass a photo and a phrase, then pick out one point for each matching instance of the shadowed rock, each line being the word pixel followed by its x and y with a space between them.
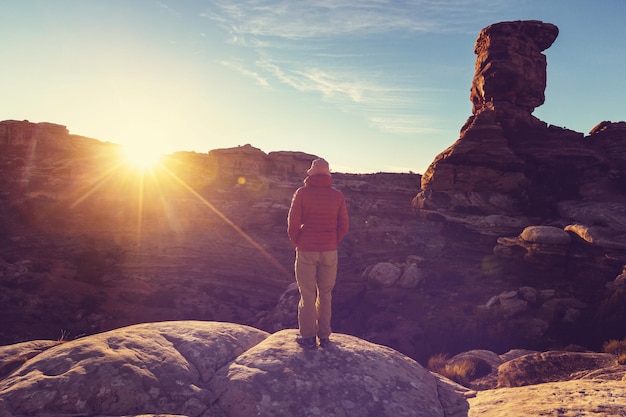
pixel 537 368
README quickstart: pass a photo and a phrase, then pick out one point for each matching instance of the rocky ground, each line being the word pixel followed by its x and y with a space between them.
pixel 80 258
pixel 210 369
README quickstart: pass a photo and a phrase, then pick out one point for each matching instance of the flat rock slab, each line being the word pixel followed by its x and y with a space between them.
pixel 581 398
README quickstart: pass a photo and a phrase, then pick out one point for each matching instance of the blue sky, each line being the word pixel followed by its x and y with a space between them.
pixel 371 85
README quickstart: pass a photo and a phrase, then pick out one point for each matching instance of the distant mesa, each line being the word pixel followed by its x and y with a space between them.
pixel 25 133
pixel 249 160
pixel 246 160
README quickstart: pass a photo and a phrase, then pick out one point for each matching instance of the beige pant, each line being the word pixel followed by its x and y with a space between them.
pixel 316 273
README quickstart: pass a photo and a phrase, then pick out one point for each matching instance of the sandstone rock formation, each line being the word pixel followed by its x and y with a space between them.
pixel 24 133
pixel 550 200
pixel 523 383
pixel 207 369
pixel 507 162
pixel 539 368
pixel 510 68
pixel 249 161
pixel 219 369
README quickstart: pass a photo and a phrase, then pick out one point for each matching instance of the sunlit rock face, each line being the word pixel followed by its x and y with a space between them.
pixel 506 161
pixel 216 369
pixel 203 369
pixel 510 67
pixel 481 174
pixel 247 160
pixel 24 133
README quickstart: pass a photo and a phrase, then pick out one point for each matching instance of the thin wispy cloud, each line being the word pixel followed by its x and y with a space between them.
pixel 337 62
pixel 167 8
pixel 327 18
pixel 341 86
pixel 240 68
pixel 352 93
pixel 385 107
pixel 407 124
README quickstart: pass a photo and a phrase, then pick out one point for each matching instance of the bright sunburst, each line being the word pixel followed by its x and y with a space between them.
pixel 141 157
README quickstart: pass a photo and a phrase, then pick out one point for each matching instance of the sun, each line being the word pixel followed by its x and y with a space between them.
pixel 141 157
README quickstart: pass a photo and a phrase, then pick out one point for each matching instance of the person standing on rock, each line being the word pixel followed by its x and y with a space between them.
pixel 317 222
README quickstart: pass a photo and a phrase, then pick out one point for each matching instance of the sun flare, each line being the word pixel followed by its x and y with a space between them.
pixel 141 157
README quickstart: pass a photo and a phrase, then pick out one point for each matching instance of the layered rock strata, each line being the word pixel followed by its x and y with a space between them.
pixel 506 161
pixel 551 200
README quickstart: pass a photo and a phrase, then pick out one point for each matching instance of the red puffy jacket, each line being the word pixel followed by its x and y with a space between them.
pixel 318 217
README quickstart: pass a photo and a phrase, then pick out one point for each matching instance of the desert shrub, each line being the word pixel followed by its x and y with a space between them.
pixel 462 371
pixel 437 363
pixel 618 348
pixel 64 337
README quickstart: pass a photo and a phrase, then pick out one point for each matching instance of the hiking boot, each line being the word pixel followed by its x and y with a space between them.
pixel 324 342
pixel 307 342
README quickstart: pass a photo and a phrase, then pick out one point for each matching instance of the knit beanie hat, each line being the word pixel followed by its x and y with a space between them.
pixel 319 166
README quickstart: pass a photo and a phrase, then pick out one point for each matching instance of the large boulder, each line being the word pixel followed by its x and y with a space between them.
pixel 544 383
pixel 14 356
pixel 145 368
pixel 350 378
pixel 552 366
pixel 216 369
